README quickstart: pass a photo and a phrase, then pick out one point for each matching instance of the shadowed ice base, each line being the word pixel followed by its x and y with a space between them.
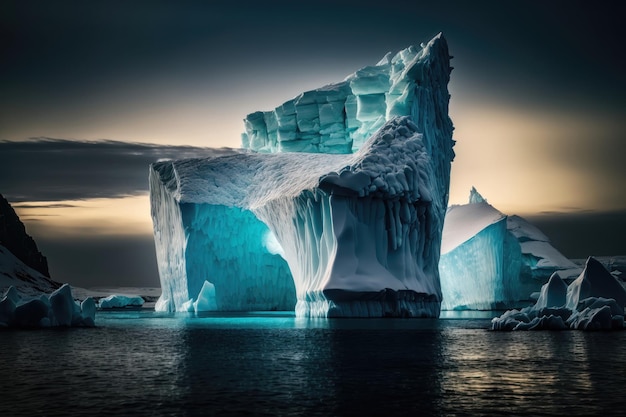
pixel 385 303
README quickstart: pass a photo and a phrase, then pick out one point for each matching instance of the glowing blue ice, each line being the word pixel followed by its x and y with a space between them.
pixel 343 235
pixel 339 118
pixel 490 260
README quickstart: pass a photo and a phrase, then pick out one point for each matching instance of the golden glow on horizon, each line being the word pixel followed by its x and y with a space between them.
pixel 98 217
pixel 521 162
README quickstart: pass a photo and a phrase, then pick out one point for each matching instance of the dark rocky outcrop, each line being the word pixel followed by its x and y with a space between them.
pixel 13 236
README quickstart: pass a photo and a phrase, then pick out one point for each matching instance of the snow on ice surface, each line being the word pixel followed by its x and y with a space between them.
pixel 458 229
pixel 14 273
pixel 56 309
pixel 360 233
pixel 29 299
pixel 594 301
pixel 489 260
pixel 330 218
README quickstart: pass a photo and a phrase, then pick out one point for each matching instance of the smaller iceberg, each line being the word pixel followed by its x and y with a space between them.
pixel 594 301
pixel 490 260
pixel 120 301
pixel 206 298
pixel 56 309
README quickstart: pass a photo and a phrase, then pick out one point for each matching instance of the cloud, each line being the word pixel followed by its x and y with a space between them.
pixel 40 206
pixel 46 169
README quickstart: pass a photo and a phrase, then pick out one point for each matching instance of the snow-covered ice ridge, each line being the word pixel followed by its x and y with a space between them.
pixel 490 260
pixel 336 235
pixel 594 301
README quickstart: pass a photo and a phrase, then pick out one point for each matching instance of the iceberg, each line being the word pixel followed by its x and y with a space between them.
pixel 55 309
pixel 341 117
pixel 334 206
pixel 120 301
pixel 593 301
pixel 490 260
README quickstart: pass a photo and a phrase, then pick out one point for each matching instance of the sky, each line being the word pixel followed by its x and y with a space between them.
pixel 92 92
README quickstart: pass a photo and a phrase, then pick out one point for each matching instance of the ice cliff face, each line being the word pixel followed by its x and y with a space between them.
pixel 491 260
pixel 344 235
pixel 339 118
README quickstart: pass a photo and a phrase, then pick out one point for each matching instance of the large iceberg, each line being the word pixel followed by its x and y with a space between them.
pixel 490 260
pixel 353 235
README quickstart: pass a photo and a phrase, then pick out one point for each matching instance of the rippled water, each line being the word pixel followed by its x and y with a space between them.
pixel 145 363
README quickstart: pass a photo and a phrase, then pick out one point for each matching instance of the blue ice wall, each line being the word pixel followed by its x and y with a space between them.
pixel 223 245
pixel 494 261
pixel 471 274
pixel 340 117
pixel 246 275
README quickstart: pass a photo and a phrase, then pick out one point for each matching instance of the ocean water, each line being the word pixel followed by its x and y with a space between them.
pixel 142 363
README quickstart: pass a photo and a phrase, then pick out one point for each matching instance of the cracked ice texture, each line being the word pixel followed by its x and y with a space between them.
pixel 360 232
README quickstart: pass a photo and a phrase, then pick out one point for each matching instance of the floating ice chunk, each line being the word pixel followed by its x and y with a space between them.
pixel 553 294
pixel 595 281
pixel 206 298
pixel 56 309
pixel 120 301
pixel 601 315
pixel 88 312
pixel 63 306
pixel 560 307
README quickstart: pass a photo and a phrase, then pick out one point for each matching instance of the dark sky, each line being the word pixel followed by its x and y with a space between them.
pixel 538 101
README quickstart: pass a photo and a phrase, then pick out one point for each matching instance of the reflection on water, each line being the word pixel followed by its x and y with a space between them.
pixel 146 363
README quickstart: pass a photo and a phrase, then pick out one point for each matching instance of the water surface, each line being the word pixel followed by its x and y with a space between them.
pixel 144 363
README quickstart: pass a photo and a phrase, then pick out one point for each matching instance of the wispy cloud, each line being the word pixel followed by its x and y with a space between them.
pixel 48 169
pixel 39 206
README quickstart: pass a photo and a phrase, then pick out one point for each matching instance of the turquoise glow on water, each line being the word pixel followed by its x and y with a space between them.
pixel 279 320
pixel 142 363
